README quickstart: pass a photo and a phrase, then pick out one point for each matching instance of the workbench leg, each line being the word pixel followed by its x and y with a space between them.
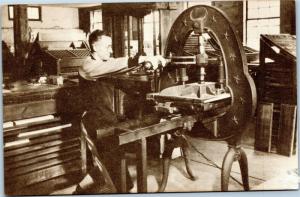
pixel 186 155
pixel 235 153
pixel 142 166
pixel 123 175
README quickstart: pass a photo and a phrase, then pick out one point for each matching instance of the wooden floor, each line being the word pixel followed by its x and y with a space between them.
pixel 263 168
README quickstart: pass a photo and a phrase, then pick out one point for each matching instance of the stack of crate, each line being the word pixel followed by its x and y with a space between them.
pixel 41 138
pixel 277 91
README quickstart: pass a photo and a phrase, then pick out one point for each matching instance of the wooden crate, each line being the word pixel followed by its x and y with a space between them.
pixel 277 85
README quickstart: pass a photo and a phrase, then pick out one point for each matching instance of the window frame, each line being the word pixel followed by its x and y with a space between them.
pixel 257 18
pixel 11 14
pixel 92 23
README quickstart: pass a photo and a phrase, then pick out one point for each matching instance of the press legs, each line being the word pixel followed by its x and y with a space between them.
pixel 235 153
pixel 186 155
pixel 166 166
pixel 244 169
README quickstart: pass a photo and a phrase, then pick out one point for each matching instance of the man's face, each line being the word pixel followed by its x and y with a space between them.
pixel 103 47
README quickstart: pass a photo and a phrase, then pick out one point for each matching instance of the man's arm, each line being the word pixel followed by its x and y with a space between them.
pixel 93 69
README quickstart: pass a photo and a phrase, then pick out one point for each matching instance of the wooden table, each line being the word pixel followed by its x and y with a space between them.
pixel 140 135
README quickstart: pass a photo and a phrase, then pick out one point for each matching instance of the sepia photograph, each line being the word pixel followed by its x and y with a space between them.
pixel 130 97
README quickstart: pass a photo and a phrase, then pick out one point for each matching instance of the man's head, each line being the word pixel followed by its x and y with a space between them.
pixel 101 44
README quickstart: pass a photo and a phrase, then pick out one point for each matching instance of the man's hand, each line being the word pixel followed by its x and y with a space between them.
pixel 154 61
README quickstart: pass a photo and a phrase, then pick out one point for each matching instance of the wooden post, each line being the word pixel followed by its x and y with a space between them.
pixel 129 34
pixel 20 37
pixel 159 33
pixel 118 41
pixel 154 34
pixel 84 20
pixel 107 23
pixel 140 22
pixel 287 17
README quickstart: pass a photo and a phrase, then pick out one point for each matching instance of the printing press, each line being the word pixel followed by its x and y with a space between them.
pixel 205 90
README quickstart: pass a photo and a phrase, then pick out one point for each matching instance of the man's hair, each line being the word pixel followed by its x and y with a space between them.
pixel 94 37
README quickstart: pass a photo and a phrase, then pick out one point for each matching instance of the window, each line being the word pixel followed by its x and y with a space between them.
pixel 194 3
pixel 96 19
pixel 151 33
pixel 34 13
pixel 131 35
pixel 263 17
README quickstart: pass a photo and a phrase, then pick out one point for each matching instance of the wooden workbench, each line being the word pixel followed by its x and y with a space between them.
pixel 30 100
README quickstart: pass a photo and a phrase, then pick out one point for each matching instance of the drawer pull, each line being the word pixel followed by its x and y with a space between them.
pixel 7 125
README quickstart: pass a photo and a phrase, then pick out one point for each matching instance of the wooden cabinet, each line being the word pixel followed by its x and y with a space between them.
pixel 41 140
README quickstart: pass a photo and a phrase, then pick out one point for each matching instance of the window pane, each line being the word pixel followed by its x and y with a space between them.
pixel 148 34
pixel 252 4
pixel 11 12
pixel 252 13
pixel 33 13
pixel 261 26
pixel 97 25
pixel 263 8
pixel 274 3
pixel 97 16
pixel 148 18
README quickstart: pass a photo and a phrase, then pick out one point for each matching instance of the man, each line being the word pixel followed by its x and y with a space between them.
pixel 97 94
pixel 101 63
